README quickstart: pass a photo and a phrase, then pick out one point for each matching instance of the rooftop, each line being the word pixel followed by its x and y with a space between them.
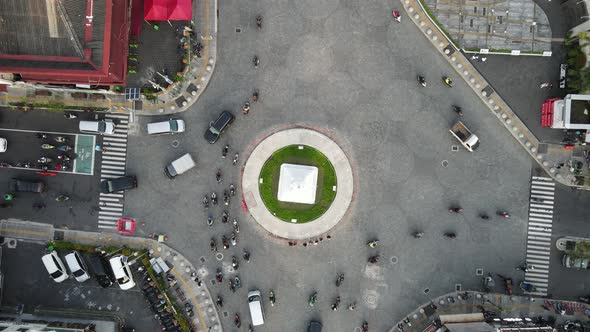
pixel 297 183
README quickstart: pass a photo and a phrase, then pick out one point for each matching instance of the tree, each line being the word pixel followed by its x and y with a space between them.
pixel 582 250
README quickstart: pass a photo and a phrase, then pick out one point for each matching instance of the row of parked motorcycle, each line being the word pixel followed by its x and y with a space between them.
pixel 159 305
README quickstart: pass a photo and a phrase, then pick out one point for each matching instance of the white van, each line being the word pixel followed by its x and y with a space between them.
pixel 106 127
pixel 171 126
pixel 255 304
pixel 179 166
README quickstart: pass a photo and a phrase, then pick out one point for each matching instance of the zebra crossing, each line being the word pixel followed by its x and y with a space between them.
pixel 113 166
pixel 539 233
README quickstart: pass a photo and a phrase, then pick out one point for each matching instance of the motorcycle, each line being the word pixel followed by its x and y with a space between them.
pixel 63 157
pixel 245 110
pixel 256 61
pixel 448 81
pixel 455 210
pixel 340 280
pixel 210 221
pixel 236 226
pixel 374 259
pixel 503 214
pixel 44 160
pixel 70 116
pixel 235 161
pixel 373 243
pixel 42 136
pixel 422 80
pixel 213 245
pixel 246 256
pixel 255 96
pixel 351 306
pixel 234 240
pixel 46 146
pixel 225 198
pixel 224 217
pixel 219 301
pixel 234 263
pixel 450 235
pixel 484 216
pixel 218 175
pixel 65 148
pixel 213 198
pixel 458 110
pixel 259 22
pixel 397 16
pixel 237 321
pixel 205 202
pixel 224 151
pixel 365 327
pixel 312 299
pixel 418 235
pixel 60 139
pixel 219 276
pixel 237 282
pixel 336 303
pixel 232 190
pixel 271 298
pixel 62 198
pixel 225 242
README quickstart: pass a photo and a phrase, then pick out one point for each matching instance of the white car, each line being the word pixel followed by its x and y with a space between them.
pixel 77 266
pixel 106 127
pixel 3 144
pixel 55 267
pixel 122 272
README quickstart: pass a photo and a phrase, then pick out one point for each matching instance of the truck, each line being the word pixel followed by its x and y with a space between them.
pixel 179 166
pixel 465 136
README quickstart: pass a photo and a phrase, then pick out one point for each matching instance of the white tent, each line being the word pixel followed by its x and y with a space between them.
pixel 297 183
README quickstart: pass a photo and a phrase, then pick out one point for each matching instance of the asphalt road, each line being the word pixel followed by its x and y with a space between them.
pixel 81 210
pixel 29 284
pixel 571 219
pixel 341 67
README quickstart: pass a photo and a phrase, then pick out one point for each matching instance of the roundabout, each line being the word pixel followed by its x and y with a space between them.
pixel 297 184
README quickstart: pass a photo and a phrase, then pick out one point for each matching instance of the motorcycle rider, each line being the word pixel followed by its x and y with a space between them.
pixel 246 255
pixel 219 301
pixel 213 245
pixel 236 156
pixel 336 303
pixel 271 298
pixel 417 234
pixel 218 175
pixel 457 110
pixel 245 110
pixel 373 243
pixel 374 259
pixel 213 198
pixel 456 209
pixel 232 190
pixel 224 151
pixel 448 81
pixel 205 202
pixel 422 80
pixel 450 235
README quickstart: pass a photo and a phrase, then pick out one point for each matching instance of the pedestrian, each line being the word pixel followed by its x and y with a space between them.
pixel 484 59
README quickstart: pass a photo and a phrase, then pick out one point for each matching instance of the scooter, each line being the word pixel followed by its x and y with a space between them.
pixel 64 148
pixel 503 214
pixel 219 276
pixel 312 299
pixel 236 156
pixel 234 239
pixel 455 210
pixel 236 226
pixel 219 301
pixel 232 190
pixel 448 81
pixel 206 202
pixel 373 243
pixel 46 146
pixel 256 61
pixel 224 151
pixel 234 263
pixel 246 256
pixel 218 175
pixel 213 245
pixel 397 16
pixel 60 139
pixel 336 303
pixel 458 110
pixel 340 280
pixel 213 198
pixel 225 242
pixel 271 298
pixel 259 22
pixel 224 217
pixel 210 221
pixel 422 80
pixel 225 198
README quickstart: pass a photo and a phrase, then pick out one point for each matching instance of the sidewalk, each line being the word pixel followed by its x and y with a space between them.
pixel 550 157
pixel 177 98
pixel 504 306
pixel 206 318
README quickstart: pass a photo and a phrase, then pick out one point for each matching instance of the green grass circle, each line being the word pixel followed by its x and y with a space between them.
pixel 308 156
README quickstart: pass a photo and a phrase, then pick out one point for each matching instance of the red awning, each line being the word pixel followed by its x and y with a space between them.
pixel 167 10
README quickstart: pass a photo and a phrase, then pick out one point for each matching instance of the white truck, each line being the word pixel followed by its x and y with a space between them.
pixel 179 166
pixel 465 136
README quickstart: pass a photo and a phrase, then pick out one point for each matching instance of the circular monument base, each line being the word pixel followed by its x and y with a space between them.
pixel 250 182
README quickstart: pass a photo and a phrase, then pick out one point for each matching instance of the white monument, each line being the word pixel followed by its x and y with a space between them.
pixel 297 183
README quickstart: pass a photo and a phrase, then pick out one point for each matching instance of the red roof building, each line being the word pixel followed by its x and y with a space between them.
pixel 65 41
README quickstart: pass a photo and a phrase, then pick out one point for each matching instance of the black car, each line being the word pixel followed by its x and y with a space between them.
pixel 102 270
pixel 27 186
pixel 218 126
pixel 118 184
pixel 314 326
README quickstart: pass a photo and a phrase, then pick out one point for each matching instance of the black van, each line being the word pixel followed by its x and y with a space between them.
pixel 102 270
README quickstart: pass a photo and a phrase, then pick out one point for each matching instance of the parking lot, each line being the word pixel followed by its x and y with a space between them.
pixel 30 285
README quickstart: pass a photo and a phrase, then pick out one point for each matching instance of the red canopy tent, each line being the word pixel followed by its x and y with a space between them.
pixel 167 10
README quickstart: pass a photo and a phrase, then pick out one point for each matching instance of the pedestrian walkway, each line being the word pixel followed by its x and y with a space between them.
pixel 113 166
pixel 539 232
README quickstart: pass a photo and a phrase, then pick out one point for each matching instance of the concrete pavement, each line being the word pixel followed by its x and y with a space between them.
pixel 207 318
pixel 251 191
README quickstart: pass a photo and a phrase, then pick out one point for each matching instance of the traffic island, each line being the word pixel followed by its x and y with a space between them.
pixel 297 184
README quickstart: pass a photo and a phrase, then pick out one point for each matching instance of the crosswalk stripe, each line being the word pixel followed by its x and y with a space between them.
pixel 114 153
pixel 539 231
pixel 113 158
pixel 114 167
pixel 109 218
pixel 115 140
pixel 114 162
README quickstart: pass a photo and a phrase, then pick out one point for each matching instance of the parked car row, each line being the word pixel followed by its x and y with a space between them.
pixel 115 269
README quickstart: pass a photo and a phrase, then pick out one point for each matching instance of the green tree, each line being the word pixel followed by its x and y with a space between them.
pixel 582 250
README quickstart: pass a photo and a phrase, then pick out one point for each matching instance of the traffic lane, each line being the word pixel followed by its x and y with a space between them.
pixel 78 212
pixel 570 213
pixel 38 120
pixel 25 147
pixel 31 285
